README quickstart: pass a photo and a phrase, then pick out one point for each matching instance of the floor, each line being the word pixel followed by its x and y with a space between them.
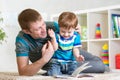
pixel 93 76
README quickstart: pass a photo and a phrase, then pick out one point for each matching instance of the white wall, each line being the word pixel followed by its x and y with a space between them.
pixel 11 8
pixel 7 49
pixel 55 6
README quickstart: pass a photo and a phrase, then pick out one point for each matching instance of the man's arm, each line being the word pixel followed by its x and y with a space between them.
pixel 27 69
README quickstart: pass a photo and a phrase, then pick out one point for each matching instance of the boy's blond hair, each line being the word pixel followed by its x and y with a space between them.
pixel 68 20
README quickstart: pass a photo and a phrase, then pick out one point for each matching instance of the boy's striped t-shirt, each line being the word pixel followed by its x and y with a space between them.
pixel 64 51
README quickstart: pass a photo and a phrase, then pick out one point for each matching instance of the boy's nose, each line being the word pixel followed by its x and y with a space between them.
pixel 66 34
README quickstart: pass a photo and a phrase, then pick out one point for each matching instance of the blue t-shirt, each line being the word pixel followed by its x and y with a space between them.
pixel 65 47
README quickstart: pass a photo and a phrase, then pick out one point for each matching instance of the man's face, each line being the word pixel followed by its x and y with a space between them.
pixel 38 29
pixel 66 33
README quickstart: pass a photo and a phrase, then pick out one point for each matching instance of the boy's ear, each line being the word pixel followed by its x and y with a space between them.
pixel 26 31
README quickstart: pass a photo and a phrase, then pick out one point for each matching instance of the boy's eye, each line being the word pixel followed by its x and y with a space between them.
pixel 63 32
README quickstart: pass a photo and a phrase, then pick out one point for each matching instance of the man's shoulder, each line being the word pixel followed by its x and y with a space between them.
pixel 22 37
pixel 52 25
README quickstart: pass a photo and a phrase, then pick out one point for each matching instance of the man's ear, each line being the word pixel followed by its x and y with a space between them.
pixel 26 31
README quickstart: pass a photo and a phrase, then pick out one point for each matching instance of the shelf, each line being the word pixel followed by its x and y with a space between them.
pixel 84 40
pixel 96 47
pixel 82 18
pixel 115 39
pixel 95 18
pixel 84 46
pixel 114 49
pixel 115 70
pixel 96 40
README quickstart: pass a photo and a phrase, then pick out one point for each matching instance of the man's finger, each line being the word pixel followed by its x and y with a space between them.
pixel 44 47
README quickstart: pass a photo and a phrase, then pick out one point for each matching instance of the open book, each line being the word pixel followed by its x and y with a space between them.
pixel 76 73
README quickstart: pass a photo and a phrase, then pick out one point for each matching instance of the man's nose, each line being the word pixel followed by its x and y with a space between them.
pixel 43 29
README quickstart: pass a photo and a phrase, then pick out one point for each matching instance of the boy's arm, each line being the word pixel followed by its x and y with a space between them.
pixel 54 43
pixel 53 40
pixel 77 55
pixel 76 52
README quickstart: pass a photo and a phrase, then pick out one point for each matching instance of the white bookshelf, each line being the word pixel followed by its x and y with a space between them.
pixel 89 18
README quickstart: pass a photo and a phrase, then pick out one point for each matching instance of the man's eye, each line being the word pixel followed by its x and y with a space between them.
pixel 76 28
pixel 63 32
pixel 39 27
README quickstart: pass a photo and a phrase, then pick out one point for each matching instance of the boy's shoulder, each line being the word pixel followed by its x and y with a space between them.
pixel 76 33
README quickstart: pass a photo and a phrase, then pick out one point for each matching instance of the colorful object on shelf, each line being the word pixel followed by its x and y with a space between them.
pixel 98 31
pixel 116 25
pixel 105 55
pixel 117 61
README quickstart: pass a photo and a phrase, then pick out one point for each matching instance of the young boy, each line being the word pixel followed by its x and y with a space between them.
pixel 64 60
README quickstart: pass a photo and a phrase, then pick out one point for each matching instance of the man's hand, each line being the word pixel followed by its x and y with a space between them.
pixel 47 51
pixel 78 29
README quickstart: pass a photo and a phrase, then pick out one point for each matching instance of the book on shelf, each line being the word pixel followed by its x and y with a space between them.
pixel 119 25
pixel 116 25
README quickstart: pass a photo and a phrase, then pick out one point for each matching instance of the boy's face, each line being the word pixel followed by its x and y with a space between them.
pixel 38 29
pixel 66 33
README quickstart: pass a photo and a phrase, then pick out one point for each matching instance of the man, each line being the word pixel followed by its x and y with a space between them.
pixel 29 41
pixel 33 43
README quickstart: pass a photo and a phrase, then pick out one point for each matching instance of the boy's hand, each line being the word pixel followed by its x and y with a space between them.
pixel 80 58
pixel 51 33
pixel 54 43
